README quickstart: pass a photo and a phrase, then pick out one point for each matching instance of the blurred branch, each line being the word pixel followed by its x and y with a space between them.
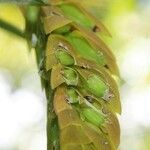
pixel 25 2
pixel 11 28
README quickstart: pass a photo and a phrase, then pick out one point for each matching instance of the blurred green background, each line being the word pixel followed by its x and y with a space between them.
pixel 22 102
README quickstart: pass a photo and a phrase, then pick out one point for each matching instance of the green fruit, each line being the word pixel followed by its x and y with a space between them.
pixel 96 86
pixel 84 49
pixel 93 117
pixel 64 58
pixel 75 14
pixel 72 95
pixel 70 76
pixel 62 30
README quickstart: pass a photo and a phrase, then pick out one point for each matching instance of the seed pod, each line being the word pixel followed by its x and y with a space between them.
pixel 93 83
pixel 93 117
pixel 63 30
pixel 76 15
pixel 111 96
pixel 85 49
pixel 74 11
pixel 96 86
pixel 73 97
pixel 70 76
pixel 64 58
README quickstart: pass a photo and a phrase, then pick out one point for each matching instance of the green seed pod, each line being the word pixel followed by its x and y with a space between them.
pixel 64 57
pixel 96 86
pixel 93 117
pixel 76 15
pixel 63 30
pixel 70 76
pixel 73 97
pixel 85 49
pixel 74 11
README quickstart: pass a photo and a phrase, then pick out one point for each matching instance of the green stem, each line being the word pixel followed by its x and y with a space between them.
pixel 8 27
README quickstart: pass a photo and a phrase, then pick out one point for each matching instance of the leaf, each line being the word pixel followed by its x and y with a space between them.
pixel 56 77
pixel 97 137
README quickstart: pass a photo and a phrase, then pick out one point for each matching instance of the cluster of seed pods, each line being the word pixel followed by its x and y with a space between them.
pixel 86 98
